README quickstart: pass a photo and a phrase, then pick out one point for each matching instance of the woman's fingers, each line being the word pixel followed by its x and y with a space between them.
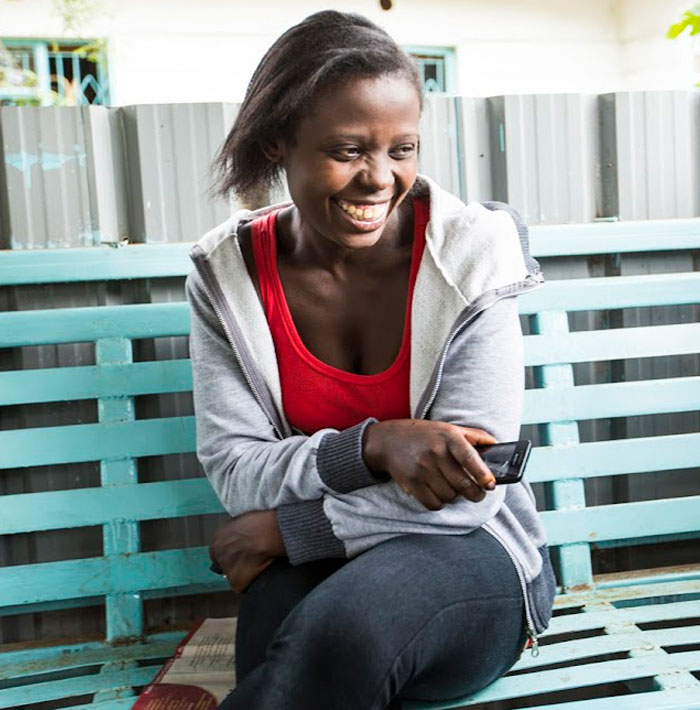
pixel 468 458
pixel 477 436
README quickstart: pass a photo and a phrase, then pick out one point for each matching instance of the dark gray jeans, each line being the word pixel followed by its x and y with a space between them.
pixel 420 616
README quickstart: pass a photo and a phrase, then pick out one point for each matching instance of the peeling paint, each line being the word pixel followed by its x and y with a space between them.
pixel 24 161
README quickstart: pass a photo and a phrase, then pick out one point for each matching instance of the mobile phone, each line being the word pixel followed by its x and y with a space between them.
pixel 506 460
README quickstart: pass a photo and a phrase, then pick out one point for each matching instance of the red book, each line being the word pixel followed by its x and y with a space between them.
pixel 200 674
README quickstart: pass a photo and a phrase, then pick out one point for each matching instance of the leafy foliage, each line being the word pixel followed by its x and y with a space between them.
pixel 690 18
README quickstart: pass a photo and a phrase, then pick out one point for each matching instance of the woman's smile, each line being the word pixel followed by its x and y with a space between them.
pixel 365 216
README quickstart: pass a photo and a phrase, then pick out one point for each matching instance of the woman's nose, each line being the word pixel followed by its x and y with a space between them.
pixel 377 174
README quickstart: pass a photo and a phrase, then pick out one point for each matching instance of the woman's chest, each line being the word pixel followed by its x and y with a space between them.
pixel 356 326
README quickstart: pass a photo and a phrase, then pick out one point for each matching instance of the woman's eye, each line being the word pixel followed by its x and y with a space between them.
pixel 346 153
pixel 403 151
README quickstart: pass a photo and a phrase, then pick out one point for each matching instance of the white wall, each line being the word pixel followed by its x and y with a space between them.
pixel 648 59
pixel 164 51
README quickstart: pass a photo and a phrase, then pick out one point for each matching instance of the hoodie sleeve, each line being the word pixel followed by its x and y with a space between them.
pixel 248 465
pixel 481 386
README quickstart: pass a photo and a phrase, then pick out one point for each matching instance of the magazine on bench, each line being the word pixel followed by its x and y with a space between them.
pixel 200 674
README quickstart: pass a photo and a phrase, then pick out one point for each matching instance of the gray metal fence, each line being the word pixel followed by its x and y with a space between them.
pixel 92 175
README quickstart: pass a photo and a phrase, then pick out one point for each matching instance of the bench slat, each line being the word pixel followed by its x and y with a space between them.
pixel 622 521
pixel 87 324
pixel 72 579
pixel 93 442
pixel 82 507
pixel 29 662
pixel 614 237
pixel 583 676
pixel 617 344
pixel 135 261
pixel 612 292
pixel 617 399
pixel 677 699
pixel 83 685
pixel 571 651
pixel 58 384
pixel 613 458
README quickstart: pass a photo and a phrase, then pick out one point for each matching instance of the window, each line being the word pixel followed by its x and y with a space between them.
pixel 436 68
pixel 69 73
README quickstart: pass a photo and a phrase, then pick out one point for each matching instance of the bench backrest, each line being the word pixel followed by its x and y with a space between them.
pixel 125 575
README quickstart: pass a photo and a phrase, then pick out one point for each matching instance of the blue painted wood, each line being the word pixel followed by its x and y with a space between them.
pixel 33 661
pixel 618 344
pixel 72 579
pixel 621 520
pixel 54 510
pixel 69 687
pixel 612 292
pixel 614 237
pixel 617 399
pixel 568 495
pixel 92 442
pixel 68 383
pixel 547 681
pixel 161 260
pixel 134 261
pixel 123 612
pixel 83 325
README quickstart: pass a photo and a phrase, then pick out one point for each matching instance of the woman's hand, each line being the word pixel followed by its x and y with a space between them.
pixel 432 461
pixel 246 545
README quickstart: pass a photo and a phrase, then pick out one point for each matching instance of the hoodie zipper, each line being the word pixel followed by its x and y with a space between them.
pixel 535 648
pixel 463 320
pixel 203 270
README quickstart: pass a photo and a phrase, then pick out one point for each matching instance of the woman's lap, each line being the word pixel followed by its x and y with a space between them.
pixel 419 616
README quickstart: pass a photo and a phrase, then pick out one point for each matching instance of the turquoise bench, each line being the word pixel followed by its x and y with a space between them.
pixel 622 640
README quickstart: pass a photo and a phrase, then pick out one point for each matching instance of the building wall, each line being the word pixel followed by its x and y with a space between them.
pixel 167 51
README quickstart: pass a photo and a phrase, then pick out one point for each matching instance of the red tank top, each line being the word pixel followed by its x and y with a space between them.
pixel 316 395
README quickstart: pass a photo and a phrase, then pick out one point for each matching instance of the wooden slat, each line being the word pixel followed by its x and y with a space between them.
pixel 82 685
pixel 617 344
pixel 94 264
pixel 617 399
pixel 614 237
pixel 29 662
pixel 82 507
pixel 583 676
pixel 58 384
pixel 676 699
pixel 593 294
pixel 642 614
pixel 158 260
pixel 93 442
pixel 72 579
pixel 82 325
pixel 573 651
pixel 613 458
pixel 622 521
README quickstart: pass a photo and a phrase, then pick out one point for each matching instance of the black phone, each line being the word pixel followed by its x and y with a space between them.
pixel 506 460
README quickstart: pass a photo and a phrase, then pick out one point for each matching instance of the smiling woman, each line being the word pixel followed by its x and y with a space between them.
pixel 350 348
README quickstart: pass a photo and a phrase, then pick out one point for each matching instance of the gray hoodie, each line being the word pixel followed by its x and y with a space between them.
pixel 466 368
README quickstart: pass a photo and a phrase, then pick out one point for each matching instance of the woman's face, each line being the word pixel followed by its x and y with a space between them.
pixel 354 160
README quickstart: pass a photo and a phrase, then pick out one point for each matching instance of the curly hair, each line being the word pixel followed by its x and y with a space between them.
pixel 326 48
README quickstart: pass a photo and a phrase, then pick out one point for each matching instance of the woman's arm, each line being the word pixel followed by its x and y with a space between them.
pixel 249 467
pixel 482 386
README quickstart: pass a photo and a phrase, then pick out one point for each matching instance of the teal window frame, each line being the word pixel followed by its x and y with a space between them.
pixel 41 61
pixel 449 57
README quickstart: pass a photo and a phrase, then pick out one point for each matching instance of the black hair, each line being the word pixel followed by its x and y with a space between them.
pixel 322 50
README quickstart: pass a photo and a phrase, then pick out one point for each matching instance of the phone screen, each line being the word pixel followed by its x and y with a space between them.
pixel 506 460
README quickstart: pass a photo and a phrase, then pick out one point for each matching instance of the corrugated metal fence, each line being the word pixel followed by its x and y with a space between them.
pixel 92 175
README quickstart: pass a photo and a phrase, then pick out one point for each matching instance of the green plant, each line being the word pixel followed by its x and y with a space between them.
pixel 690 18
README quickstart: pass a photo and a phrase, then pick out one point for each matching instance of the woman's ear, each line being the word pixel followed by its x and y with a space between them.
pixel 273 150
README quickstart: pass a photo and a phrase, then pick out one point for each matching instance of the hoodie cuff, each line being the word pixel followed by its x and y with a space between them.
pixel 339 459
pixel 307 532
